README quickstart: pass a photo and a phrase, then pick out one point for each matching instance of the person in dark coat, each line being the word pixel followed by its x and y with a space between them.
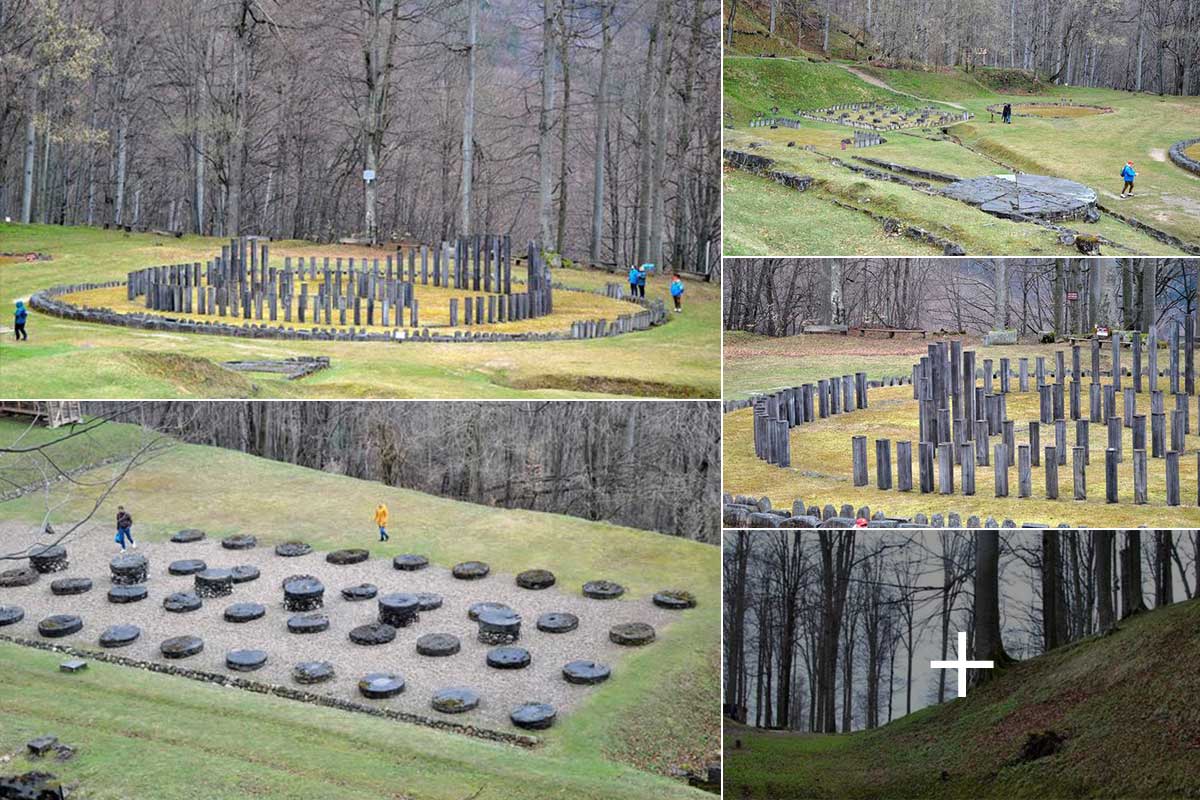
pixel 124 529
pixel 1007 115
pixel 19 316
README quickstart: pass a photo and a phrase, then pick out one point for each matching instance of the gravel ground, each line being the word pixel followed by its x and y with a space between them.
pixel 501 690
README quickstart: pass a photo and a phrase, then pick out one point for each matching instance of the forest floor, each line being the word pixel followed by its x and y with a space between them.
pixel 761 218
pixel 821 470
pixel 657 713
pixel 1124 705
pixel 69 359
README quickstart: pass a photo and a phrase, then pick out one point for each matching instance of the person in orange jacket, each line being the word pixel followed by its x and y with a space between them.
pixel 381 519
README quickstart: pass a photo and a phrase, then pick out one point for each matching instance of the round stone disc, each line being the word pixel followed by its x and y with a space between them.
pixel 430 601
pixel 60 625
pixel 120 636
pixel 533 716
pixel 372 634
pixel 478 608
pixel 585 672
pixel 455 700
pixel 438 644
pixel 308 672
pixel 378 685
pixel 470 570
pixel 399 609
pixel 50 558
pixel 508 657
pixel 410 562
pixel 535 579
pixel 244 612
pixel 19 576
pixel 245 660
pixel 239 541
pixel 603 590
pixel 292 549
pixel 631 634
pixel 244 573
pixel 675 600
pixel 182 602
pixel 186 566
pixel 557 622
pixel 303 586
pixel 181 646
pixel 187 536
pixel 128 562
pixel 364 591
pixel 351 556
pixel 214 582
pixel 65 586
pixel 11 615
pixel 133 593
pixel 307 623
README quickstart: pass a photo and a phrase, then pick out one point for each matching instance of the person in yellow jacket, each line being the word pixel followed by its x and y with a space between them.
pixel 381 517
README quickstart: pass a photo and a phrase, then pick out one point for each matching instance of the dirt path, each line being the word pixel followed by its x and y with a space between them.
pixel 871 79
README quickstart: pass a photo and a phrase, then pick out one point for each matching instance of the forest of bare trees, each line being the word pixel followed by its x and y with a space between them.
pixel 829 631
pixel 642 464
pixel 776 297
pixel 589 125
pixel 1137 45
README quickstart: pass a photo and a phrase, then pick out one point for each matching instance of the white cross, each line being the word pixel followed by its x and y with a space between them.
pixel 962 664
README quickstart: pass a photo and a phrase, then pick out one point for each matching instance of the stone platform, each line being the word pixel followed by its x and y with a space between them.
pixel 1040 196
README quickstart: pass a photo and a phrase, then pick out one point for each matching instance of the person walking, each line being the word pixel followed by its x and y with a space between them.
pixel 381 519
pixel 1128 173
pixel 641 281
pixel 677 292
pixel 19 316
pixel 124 529
pixel 1007 115
pixel 633 281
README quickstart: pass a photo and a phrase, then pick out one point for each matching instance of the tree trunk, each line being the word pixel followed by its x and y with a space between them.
pixel 1132 600
pixel 601 136
pixel 468 137
pixel 1149 284
pixel 1164 593
pixel 1001 312
pixel 1060 296
pixel 564 118
pixel 1102 547
pixel 989 644
pixel 544 165
pixel 122 136
pixel 657 193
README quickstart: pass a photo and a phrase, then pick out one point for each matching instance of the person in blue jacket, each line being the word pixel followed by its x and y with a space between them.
pixel 641 281
pixel 19 317
pixel 677 291
pixel 1128 174
pixel 633 281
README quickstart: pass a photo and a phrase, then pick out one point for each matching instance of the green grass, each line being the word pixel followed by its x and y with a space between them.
pixel 90 445
pixel 662 713
pixel 1089 149
pixel 752 33
pixel 69 359
pixel 1124 703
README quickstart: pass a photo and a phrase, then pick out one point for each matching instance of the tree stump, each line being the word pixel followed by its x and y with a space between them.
pixel 292 549
pixel 470 570
pixel 239 541
pixel 399 609
pixel 120 636
pixel 380 685
pixel 631 634
pixel 363 591
pixel 128 594
pixel 603 590
pixel 187 536
pixel 307 623
pixel 533 716
pixel 438 645
pixel 245 660
pixel 214 583
pixel 11 615
pixel 303 593
pixel 410 562
pixel 181 647
pixel 244 612
pixel 186 566
pixel 585 673
pixel 310 672
pixel 182 602
pixel 499 627
pixel 535 579
pixel 69 586
pixel 60 625
pixel 375 633
pixel 244 573
pixel 455 700
pixel 508 658
pixel 674 599
pixel 349 556
pixel 129 568
pixel 557 622
pixel 52 558
pixel 476 609
pixel 19 576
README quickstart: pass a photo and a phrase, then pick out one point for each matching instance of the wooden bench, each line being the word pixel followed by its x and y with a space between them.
pixel 891 333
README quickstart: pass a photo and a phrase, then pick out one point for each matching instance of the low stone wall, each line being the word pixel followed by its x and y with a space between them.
pixel 893 225
pixel 742 511
pixel 1151 231
pixel 1181 158
pixel 918 172
pixel 998 108
pixel 764 167
pixel 503 737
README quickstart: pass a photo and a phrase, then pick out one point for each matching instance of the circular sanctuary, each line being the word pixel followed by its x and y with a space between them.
pixel 1021 195
pixel 1061 110
pixel 457 291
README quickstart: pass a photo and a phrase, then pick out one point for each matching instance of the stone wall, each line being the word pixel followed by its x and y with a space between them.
pixel 1181 158
pixel 764 167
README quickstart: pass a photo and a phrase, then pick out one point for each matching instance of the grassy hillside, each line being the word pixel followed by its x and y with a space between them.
pixel 752 32
pixel 661 714
pixel 1125 705
pixel 753 85
pixel 69 359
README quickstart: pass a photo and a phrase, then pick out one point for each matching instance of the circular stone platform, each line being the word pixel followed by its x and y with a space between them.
pixel 310 672
pixel 128 594
pixel 438 645
pixel 60 625
pixel 1039 196
pixel 182 602
pixel 430 601
pixel 533 716
pixel 292 549
pixel 363 591
pixel 239 541
pixel 381 685
pixel 476 609
pixel 303 593
pixel 410 562
pixel 499 627
pixel 585 673
pixel 603 590
pixel 535 579
pixel 1051 110
pixel 631 634
pixel 68 586
pixel 508 658
pixel 129 568
pixel 557 622
pixel 214 583
pixel 181 647
pixel 399 609
pixel 245 660
pixel 455 700
pixel 51 558
pixel 186 566
pixel 674 599
pixel 188 535
pixel 350 556
pixel 19 576
pixel 244 612
pixel 373 634
pixel 245 573
pixel 470 570
pixel 120 636
pixel 11 615
pixel 307 623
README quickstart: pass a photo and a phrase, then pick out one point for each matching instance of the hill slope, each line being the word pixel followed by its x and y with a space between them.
pixel 1125 706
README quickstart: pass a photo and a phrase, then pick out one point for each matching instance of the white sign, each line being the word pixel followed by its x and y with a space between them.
pixel 962 664
pixel 368 174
